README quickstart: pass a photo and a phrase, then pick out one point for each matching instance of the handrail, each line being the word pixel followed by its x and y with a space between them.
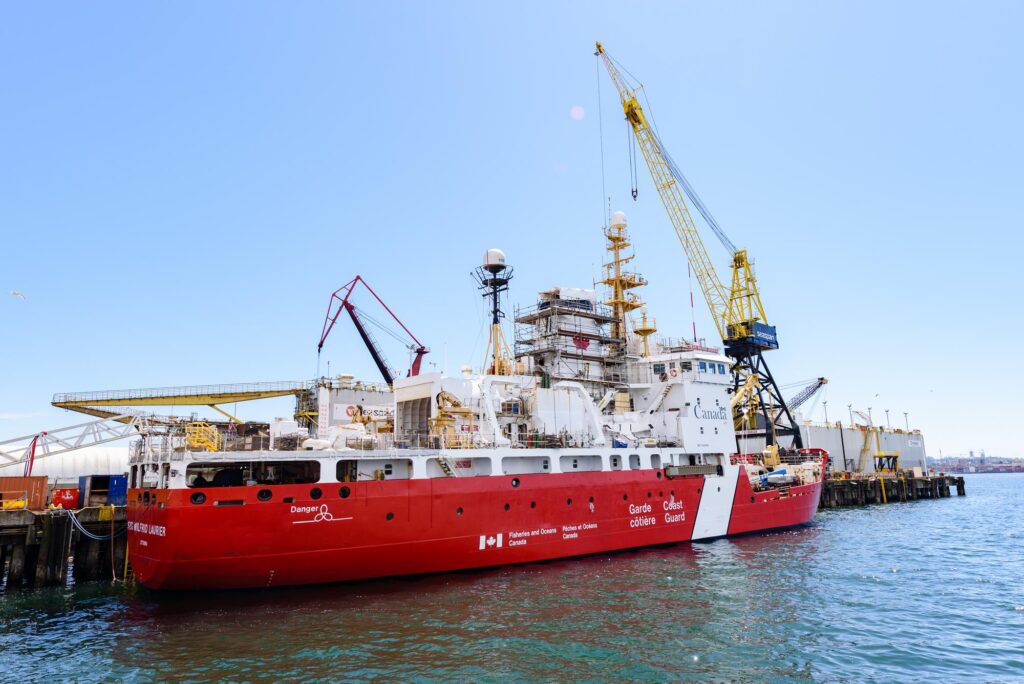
pixel 186 390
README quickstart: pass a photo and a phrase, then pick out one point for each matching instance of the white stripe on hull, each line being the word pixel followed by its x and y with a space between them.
pixel 715 508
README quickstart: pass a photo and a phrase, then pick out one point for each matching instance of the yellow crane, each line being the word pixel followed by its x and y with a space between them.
pixel 737 311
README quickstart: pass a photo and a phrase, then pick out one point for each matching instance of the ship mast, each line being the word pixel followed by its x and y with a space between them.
pixel 619 282
pixel 494 277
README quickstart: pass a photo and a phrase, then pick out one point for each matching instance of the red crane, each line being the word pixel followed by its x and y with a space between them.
pixel 341 301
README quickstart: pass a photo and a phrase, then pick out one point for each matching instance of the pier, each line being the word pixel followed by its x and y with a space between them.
pixel 837 492
pixel 39 547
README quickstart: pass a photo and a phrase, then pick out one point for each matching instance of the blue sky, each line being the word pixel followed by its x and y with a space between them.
pixel 184 184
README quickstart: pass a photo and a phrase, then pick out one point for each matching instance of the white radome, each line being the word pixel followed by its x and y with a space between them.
pixel 619 219
pixel 494 259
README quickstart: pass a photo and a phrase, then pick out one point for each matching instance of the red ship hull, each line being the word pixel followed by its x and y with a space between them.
pixel 359 530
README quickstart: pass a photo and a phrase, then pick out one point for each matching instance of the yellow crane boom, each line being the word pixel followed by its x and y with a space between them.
pixel 737 312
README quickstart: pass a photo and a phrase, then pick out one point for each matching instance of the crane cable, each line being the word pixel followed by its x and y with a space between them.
pixel 688 188
pixel 600 131
pixel 631 152
pixel 383 328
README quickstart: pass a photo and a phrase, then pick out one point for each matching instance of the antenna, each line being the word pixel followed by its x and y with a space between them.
pixel 494 276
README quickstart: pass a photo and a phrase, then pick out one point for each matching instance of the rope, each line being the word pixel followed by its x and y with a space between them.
pixel 631 152
pixel 90 535
pixel 600 129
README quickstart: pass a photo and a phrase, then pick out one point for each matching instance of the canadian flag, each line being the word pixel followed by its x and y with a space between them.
pixel 490 542
pixel 581 343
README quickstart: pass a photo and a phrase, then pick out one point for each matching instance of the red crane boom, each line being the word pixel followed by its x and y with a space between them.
pixel 339 302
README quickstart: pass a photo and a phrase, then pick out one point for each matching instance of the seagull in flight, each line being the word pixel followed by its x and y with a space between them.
pixel 15 293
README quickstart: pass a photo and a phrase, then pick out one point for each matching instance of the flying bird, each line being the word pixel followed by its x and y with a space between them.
pixel 15 293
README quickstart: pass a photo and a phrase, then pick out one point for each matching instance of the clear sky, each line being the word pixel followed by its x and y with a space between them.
pixel 183 184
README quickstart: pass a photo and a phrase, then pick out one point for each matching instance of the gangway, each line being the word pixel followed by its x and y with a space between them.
pixel 189 395
pixel 28 448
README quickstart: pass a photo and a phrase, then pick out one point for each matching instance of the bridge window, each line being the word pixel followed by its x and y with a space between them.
pixel 585 463
pixel 658 368
pixel 703 367
pixel 721 369
pixel 374 469
pixel 523 465
pixel 245 473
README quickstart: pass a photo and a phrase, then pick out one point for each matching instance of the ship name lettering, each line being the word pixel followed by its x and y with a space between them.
pixel 146 528
pixel 637 510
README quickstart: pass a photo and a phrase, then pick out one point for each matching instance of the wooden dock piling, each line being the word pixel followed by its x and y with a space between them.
pixel 37 546
pixel 859 490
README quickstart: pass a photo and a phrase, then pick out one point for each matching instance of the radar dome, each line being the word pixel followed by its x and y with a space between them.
pixel 619 219
pixel 494 260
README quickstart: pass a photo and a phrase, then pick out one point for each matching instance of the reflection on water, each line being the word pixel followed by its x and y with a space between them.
pixel 878 593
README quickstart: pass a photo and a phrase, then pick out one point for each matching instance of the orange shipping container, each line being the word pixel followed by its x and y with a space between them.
pixel 24 492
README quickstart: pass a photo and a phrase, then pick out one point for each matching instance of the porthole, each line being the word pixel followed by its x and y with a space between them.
pixel 315 493
pixel 568 502
pixel 264 495
pixel 507 507
pixel 515 481
pixel 649 495
pixel 196 498
pixel 145 498
pixel 390 516
pixel 751 499
pixel 344 492
pixel 458 511
pixel 659 474
pixel 533 504
pixel 625 497
pixel 661 495
pixel 591 499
